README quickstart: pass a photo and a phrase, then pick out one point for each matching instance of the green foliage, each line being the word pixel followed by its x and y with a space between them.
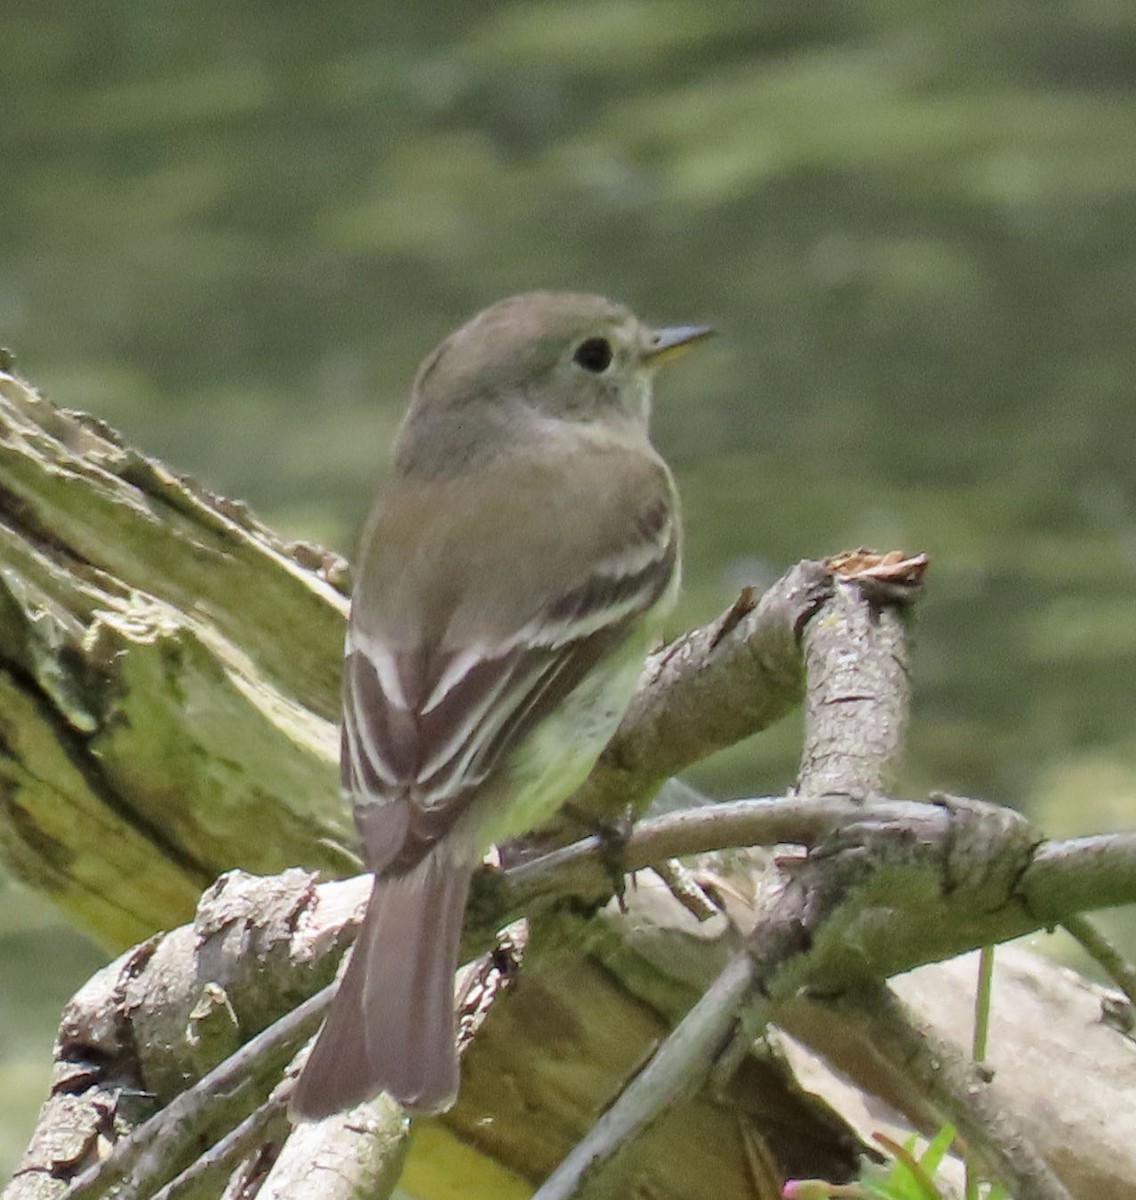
pixel 910 1176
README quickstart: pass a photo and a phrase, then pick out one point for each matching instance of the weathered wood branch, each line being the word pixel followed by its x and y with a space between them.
pixel 169 676
pixel 173 1013
pixel 168 680
pixel 168 693
pixel 823 927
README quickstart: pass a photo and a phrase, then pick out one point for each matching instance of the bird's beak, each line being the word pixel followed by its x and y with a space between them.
pixel 665 345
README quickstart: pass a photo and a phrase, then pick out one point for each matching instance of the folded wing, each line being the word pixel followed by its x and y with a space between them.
pixel 425 728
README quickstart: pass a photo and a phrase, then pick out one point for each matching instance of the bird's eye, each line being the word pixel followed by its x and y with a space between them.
pixel 594 354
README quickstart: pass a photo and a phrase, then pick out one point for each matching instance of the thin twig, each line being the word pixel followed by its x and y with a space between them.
pixel 1104 953
pixel 764 1172
pixel 1061 878
pixel 141 1161
pixel 956 1087
pixel 763 821
pixel 206 1175
pixel 685 889
pixel 685 1053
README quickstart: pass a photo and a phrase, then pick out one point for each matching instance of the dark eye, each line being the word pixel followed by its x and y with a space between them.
pixel 594 355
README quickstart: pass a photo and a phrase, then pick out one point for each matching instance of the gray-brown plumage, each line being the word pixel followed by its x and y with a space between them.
pixel 505 597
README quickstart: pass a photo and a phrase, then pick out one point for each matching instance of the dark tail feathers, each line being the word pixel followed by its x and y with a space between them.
pixel 391 1025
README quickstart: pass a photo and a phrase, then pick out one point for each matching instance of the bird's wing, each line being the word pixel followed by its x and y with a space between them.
pixel 426 727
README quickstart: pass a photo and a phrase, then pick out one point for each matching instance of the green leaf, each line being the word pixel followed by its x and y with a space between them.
pixel 931 1158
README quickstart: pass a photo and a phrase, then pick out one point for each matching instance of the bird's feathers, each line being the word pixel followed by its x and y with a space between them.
pixel 498 626
pixel 427 725
pixel 393 1016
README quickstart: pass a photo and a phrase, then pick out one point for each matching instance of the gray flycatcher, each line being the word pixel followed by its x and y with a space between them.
pixel 511 578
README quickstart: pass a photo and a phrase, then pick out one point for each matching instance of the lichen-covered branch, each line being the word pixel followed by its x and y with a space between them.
pixel 168 679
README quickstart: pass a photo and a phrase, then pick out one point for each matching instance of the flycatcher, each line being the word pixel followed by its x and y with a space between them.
pixel 510 580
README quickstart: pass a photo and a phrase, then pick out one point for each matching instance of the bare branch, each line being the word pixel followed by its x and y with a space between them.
pixel 267 1125
pixel 128 590
pixel 707 690
pixel 359 1153
pixel 946 834
pixel 856 706
pixel 143 1162
pixel 1104 952
pixel 685 889
pixel 1080 875
pixel 693 1045
pixel 771 964
pixel 804 934
pixel 961 1090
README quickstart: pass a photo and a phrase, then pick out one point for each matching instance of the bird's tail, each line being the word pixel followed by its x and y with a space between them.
pixel 391 1025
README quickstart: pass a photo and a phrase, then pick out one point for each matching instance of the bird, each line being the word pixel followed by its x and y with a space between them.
pixel 511 579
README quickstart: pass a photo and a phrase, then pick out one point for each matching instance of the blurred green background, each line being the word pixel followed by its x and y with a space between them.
pixel 233 230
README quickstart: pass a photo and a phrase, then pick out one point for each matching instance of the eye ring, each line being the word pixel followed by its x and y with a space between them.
pixel 594 354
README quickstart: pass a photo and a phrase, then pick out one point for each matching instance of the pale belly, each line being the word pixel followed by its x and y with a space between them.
pixel 560 752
